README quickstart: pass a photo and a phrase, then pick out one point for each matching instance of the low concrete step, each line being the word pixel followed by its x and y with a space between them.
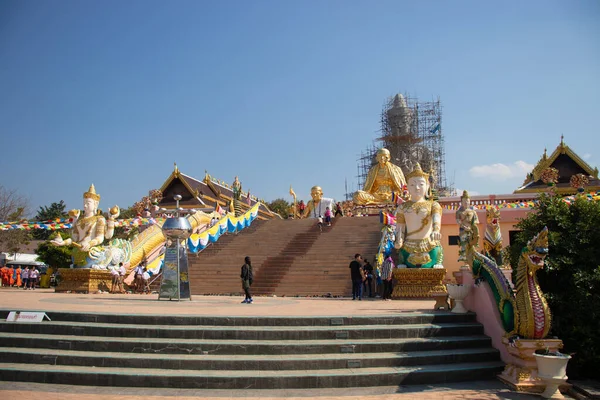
pixel 249 379
pixel 244 361
pixel 366 332
pixel 210 346
pixel 410 317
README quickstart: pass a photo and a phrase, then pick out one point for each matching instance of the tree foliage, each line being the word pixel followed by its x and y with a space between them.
pixel 47 213
pixel 13 207
pixel 571 278
pixel 54 256
pixel 280 206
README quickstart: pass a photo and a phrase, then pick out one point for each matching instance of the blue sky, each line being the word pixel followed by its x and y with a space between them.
pixel 281 92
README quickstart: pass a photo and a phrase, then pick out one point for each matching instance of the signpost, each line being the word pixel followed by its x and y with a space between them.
pixel 175 284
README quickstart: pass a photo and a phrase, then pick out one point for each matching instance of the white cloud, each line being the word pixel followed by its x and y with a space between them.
pixel 501 172
pixel 587 156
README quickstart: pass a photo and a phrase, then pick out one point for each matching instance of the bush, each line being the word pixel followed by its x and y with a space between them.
pixel 570 279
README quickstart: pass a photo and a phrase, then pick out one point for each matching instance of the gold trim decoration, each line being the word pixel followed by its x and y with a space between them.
pixel 83 280
pixel 91 194
pixel 414 283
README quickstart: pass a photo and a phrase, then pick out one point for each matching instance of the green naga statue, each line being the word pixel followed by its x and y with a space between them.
pixel 526 312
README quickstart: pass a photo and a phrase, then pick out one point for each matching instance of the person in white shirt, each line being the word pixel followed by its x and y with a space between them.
pixel 115 280
pixel 122 272
pixel 25 277
pixel 33 277
pixel 139 280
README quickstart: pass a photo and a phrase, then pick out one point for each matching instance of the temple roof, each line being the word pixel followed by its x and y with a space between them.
pixel 568 163
pixel 206 193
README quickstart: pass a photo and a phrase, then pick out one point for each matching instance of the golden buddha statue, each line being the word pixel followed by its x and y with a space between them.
pixel 316 207
pixel 93 228
pixel 383 179
pixel 418 223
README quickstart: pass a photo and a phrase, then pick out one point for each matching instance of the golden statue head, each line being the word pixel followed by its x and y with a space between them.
pixel 91 194
pixel 316 193
pixel 383 156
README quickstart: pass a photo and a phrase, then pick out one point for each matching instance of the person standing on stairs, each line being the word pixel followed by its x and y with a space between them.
pixel 247 278
pixel 355 274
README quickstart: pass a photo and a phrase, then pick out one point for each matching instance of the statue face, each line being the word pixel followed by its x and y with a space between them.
pixel 465 202
pixel 383 157
pixel 316 194
pixel 89 206
pixel 417 187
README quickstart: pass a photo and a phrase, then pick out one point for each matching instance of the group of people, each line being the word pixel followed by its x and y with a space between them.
pixel 27 278
pixel 364 278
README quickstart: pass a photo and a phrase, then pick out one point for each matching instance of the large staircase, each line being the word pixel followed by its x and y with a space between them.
pixel 246 352
pixel 289 257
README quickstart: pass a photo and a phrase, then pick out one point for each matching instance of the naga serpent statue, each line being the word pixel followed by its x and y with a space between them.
pixel 524 312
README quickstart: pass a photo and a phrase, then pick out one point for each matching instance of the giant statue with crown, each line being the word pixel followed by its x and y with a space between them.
pixel 90 232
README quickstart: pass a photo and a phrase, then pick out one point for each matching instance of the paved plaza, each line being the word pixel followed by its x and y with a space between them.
pixel 46 300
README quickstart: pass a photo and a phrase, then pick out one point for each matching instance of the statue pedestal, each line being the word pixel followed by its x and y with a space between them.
pixel 419 283
pixel 83 280
pixel 522 374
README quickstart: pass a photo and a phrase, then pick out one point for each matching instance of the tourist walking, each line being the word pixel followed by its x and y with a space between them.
pixel 386 277
pixel 33 277
pixel 338 210
pixel 247 278
pixel 122 272
pixel 25 276
pixel 115 280
pixel 327 216
pixel 355 273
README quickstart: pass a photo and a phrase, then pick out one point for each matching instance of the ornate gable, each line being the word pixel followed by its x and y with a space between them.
pixel 567 163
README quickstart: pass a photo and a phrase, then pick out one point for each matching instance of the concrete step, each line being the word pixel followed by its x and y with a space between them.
pixel 406 317
pixel 366 332
pixel 245 362
pixel 230 346
pixel 255 379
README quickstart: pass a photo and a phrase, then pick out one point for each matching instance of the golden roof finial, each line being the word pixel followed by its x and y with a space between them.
pixel 545 154
pixel 417 172
pixel 91 194
pixel 176 170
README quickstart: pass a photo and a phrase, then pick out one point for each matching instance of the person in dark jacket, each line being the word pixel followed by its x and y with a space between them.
pixel 247 278
pixel 356 275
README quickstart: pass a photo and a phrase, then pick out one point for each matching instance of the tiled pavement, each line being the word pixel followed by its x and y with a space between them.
pixel 47 300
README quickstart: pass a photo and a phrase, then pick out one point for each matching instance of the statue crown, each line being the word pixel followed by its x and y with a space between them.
pixel 91 194
pixel 465 195
pixel 417 172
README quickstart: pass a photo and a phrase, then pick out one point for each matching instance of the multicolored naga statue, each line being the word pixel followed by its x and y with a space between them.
pixel 492 240
pixel 524 313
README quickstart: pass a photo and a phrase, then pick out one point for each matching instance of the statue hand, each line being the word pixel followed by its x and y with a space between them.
pixel 74 213
pixel 114 212
pixel 85 246
pixel 436 236
pixel 58 241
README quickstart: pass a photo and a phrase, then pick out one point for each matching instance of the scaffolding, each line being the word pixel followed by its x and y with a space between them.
pixel 412 131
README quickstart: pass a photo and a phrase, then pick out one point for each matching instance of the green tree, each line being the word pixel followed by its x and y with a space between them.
pixel 54 256
pixel 570 279
pixel 47 213
pixel 280 206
